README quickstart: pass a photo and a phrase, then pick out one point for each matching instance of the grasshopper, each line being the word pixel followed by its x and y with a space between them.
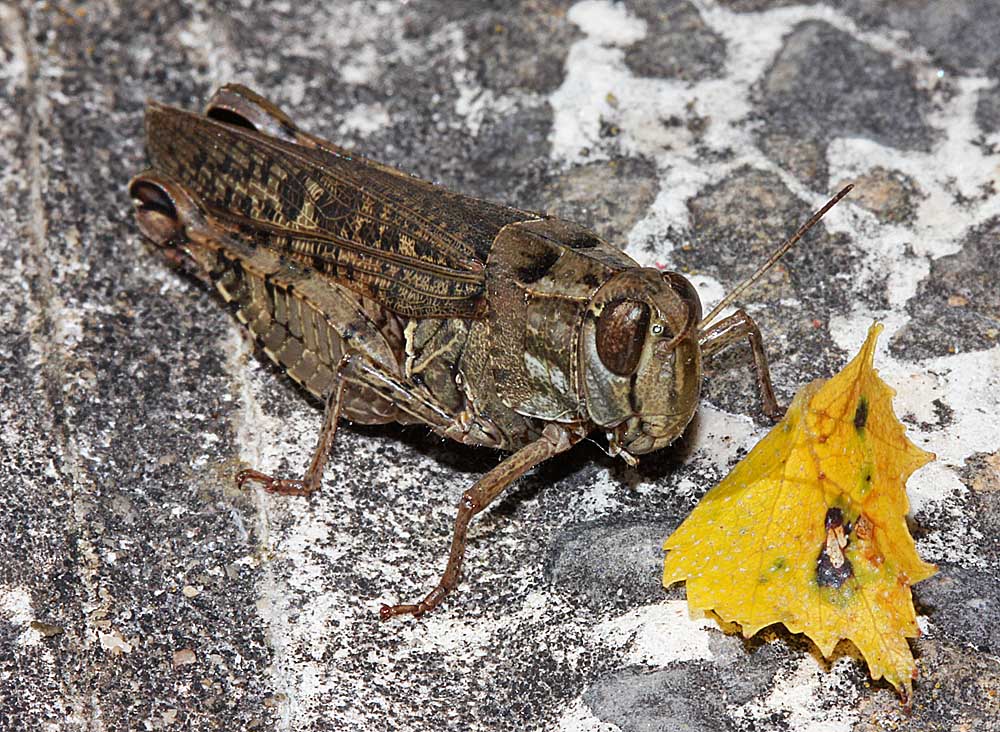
pixel 393 300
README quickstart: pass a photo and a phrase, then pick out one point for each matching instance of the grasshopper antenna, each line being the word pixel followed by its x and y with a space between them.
pixel 778 254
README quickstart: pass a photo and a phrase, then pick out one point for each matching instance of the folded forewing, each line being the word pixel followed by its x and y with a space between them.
pixel 414 247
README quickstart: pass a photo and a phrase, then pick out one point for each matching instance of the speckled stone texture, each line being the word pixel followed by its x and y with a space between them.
pixel 139 590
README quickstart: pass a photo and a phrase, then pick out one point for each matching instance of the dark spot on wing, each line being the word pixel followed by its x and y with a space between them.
pixel 583 240
pixel 292 194
pixel 269 212
pixel 423 249
pixel 246 205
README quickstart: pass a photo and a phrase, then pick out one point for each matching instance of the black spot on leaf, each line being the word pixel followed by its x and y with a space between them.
pixel 861 414
pixel 827 575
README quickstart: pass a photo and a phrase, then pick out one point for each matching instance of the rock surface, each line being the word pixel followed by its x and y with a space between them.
pixel 140 590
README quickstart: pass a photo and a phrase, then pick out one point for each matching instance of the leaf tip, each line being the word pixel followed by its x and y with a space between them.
pixel 868 348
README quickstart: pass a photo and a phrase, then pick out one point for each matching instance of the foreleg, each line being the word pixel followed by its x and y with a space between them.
pixel 733 328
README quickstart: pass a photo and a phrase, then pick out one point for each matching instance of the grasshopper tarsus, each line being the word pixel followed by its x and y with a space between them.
pixel 390 611
pixel 313 478
pixel 777 414
pixel 281 486
pixel 433 599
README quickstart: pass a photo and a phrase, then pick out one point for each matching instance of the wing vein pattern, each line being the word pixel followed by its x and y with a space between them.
pixel 413 247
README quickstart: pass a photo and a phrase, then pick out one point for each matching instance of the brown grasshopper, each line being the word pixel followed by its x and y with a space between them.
pixel 394 300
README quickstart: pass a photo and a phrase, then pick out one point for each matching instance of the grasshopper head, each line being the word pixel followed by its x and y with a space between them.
pixel 640 359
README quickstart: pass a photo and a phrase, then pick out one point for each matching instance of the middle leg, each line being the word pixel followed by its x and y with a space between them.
pixel 555 439
pixel 360 372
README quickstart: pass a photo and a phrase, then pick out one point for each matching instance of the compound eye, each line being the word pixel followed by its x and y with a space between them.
pixel 621 334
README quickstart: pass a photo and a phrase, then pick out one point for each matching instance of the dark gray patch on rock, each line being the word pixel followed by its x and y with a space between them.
pixel 956 33
pixel 606 196
pixel 988 109
pixel 520 48
pixel 756 660
pixel 641 700
pixel 677 44
pixel 691 696
pixel 825 84
pixel 964 605
pixel 735 225
pixel 957 306
pixel 613 563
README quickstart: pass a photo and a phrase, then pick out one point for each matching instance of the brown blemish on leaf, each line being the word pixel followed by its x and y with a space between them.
pixel 833 568
pixel 863 528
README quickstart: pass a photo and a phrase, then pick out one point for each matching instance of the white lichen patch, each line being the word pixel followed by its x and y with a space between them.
pixel 808 698
pixel 15 608
pixel 656 635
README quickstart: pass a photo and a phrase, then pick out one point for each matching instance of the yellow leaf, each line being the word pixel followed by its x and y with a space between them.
pixel 809 529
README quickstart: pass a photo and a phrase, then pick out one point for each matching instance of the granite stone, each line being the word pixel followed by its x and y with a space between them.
pixel 677 44
pixel 958 34
pixel 838 86
pixel 957 307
